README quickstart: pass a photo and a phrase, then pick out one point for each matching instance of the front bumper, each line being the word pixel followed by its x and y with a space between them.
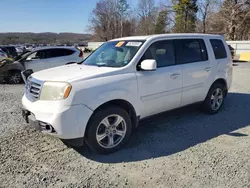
pixel 68 122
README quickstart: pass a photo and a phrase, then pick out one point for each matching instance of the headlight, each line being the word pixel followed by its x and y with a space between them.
pixel 55 90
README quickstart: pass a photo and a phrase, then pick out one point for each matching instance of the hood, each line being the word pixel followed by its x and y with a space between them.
pixel 71 72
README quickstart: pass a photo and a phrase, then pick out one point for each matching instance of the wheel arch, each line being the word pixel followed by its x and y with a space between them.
pixel 15 70
pixel 223 82
pixel 16 67
pixel 122 104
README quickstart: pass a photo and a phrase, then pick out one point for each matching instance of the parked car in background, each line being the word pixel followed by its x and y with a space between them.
pixel 3 55
pixel 19 50
pixel 10 50
pixel 22 55
pixel 40 59
pixel 101 99
pixel 29 47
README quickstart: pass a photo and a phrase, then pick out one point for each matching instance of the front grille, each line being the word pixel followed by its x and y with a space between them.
pixel 33 88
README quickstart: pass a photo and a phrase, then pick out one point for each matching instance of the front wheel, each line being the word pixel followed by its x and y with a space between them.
pixel 14 77
pixel 214 99
pixel 109 130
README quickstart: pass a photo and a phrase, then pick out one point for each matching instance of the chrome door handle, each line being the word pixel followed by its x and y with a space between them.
pixel 207 69
pixel 175 75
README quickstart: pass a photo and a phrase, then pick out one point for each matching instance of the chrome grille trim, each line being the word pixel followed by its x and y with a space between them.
pixel 33 88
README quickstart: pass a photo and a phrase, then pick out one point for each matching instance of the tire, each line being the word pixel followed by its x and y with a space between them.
pixel 216 92
pixel 14 77
pixel 98 126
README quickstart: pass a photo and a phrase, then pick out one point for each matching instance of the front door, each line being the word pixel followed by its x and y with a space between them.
pixel 160 90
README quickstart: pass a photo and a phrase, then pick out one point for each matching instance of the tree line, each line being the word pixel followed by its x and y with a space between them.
pixel 43 38
pixel 116 18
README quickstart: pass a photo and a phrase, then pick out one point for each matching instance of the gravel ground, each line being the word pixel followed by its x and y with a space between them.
pixel 183 148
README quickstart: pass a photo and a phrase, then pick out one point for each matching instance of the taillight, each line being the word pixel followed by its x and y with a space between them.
pixel 81 53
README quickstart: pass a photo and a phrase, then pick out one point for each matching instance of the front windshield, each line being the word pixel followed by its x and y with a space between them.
pixel 114 54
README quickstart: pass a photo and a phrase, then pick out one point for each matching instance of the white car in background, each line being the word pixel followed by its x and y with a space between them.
pixel 40 59
pixel 49 57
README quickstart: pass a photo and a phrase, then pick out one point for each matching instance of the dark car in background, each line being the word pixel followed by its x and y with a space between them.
pixel 10 51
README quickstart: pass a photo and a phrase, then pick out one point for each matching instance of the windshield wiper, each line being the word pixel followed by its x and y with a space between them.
pixel 103 65
pixel 80 62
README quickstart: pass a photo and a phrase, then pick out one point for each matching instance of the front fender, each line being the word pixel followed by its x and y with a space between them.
pixel 103 98
pixel 95 92
pixel 16 66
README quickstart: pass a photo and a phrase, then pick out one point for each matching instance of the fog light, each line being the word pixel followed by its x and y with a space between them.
pixel 45 127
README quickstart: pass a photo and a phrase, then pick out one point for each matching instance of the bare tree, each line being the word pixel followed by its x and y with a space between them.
pixel 147 13
pixel 205 9
pixel 123 8
pixel 236 17
pixel 107 19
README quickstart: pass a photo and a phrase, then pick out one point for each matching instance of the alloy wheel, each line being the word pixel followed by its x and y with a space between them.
pixel 216 99
pixel 15 78
pixel 111 131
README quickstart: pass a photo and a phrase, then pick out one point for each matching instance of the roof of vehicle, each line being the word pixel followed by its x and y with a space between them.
pixel 54 47
pixel 149 37
pixel 6 46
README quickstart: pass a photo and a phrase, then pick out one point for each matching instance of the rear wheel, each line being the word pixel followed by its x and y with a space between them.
pixel 109 130
pixel 214 99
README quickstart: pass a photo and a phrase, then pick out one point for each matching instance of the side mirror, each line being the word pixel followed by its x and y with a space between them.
pixel 148 65
pixel 25 74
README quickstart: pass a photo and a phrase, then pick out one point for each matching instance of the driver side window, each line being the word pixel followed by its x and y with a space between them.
pixel 38 55
pixel 163 52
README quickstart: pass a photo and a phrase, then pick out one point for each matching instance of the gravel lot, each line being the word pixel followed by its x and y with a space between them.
pixel 183 148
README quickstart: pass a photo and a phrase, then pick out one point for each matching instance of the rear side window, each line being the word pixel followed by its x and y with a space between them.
pixel 68 52
pixel 218 48
pixel 60 52
pixel 191 50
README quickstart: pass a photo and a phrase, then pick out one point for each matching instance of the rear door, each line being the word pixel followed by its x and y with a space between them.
pixel 60 56
pixel 196 68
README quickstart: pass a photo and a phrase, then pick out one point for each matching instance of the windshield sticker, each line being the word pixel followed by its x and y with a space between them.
pixel 136 44
pixel 119 44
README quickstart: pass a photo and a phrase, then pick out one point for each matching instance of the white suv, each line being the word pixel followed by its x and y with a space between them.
pixel 101 99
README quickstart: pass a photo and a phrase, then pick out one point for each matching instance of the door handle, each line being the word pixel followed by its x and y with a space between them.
pixel 207 69
pixel 175 75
